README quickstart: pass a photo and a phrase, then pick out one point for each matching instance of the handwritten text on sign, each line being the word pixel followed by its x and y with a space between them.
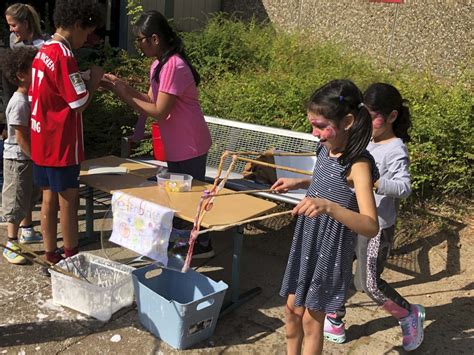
pixel 141 226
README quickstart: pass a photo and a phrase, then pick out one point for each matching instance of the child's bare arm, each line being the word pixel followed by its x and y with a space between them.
pixel 365 222
pixel 122 88
pixel 140 102
pixel 285 184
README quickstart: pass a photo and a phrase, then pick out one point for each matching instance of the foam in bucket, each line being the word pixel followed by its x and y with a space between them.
pixel 106 286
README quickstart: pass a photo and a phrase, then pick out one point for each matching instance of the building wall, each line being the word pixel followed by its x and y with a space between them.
pixel 431 35
pixel 188 15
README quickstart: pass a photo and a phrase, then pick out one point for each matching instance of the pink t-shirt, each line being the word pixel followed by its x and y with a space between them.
pixel 184 132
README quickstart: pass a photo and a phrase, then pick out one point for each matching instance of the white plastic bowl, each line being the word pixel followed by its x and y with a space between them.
pixel 174 182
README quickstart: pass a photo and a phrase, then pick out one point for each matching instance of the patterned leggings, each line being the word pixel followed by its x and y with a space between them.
pixel 372 255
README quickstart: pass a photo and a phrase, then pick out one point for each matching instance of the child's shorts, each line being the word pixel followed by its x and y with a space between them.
pixel 19 195
pixel 56 178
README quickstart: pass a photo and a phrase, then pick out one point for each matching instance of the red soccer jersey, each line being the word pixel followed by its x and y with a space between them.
pixel 56 90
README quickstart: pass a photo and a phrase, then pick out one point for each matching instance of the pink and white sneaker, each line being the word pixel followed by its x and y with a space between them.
pixel 412 327
pixel 334 332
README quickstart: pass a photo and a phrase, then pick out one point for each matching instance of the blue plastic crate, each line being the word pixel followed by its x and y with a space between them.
pixel 180 308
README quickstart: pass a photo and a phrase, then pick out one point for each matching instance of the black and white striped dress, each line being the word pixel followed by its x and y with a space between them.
pixel 319 268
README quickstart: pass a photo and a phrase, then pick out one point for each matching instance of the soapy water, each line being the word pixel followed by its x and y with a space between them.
pixel 114 281
pixel 102 274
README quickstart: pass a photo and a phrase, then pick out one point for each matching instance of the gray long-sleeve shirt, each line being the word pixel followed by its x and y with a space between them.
pixel 395 182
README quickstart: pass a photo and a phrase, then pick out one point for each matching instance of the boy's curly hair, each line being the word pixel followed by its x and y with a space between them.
pixel 17 60
pixel 88 12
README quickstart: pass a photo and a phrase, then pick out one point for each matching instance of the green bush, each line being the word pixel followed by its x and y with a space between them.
pixel 108 119
pixel 256 74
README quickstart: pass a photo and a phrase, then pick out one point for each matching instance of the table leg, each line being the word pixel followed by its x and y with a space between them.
pixel 89 212
pixel 237 298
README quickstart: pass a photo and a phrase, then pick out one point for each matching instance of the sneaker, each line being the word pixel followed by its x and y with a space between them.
pixel 199 252
pixel 12 257
pixel 30 236
pixel 412 327
pixel 333 331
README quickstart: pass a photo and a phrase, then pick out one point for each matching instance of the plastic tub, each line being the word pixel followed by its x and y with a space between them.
pixel 110 286
pixel 180 308
pixel 174 182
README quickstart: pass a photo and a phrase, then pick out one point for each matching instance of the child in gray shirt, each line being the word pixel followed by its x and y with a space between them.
pixel 18 194
pixel 390 124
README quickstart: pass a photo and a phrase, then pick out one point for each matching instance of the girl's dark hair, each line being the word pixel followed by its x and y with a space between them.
pixel 17 60
pixel 334 101
pixel 385 98
pixel 88 12
pixel 152 22
pixel 24 12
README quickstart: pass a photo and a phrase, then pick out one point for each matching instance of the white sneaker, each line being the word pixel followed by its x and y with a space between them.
pixel 29 236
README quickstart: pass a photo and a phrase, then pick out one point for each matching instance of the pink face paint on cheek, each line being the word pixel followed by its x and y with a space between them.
pixel 378 122
pixel 328 133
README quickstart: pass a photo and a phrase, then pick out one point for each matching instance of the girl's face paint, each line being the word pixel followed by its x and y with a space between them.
pixel 378 122
pixel 381 126
pixel 322 128
pixel 329 134
pixel 377 119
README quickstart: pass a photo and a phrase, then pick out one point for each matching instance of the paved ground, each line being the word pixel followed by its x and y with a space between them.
pixel 436 272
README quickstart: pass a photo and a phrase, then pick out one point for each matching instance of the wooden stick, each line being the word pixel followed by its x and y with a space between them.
pixel 293 170
pixel 227 226
pixel 40 261
pixel 283 154
pixel 242 192
pixel 25 250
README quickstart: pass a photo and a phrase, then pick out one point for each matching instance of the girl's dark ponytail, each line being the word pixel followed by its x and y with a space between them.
pixel 402 124
pixel 359 136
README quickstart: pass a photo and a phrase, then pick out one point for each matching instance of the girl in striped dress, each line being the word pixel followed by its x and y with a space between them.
pixel 339 205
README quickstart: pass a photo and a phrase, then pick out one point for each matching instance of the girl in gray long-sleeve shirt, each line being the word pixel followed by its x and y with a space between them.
pixel 390 124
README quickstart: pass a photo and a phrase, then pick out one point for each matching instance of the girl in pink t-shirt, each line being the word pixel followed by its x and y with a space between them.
pixel 172 100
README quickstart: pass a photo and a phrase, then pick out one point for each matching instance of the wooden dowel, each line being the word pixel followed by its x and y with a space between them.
pixel 293 170
pixel 241 192
pixel 283 154
pixel 224 227
pixel 40 261
pixel 26 249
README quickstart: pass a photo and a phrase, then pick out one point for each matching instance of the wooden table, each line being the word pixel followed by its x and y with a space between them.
pixel 228 209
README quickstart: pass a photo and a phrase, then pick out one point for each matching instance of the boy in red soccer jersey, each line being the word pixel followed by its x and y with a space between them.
pixel 58 97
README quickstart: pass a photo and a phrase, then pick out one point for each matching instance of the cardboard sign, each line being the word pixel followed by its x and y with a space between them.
pixel 141 226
